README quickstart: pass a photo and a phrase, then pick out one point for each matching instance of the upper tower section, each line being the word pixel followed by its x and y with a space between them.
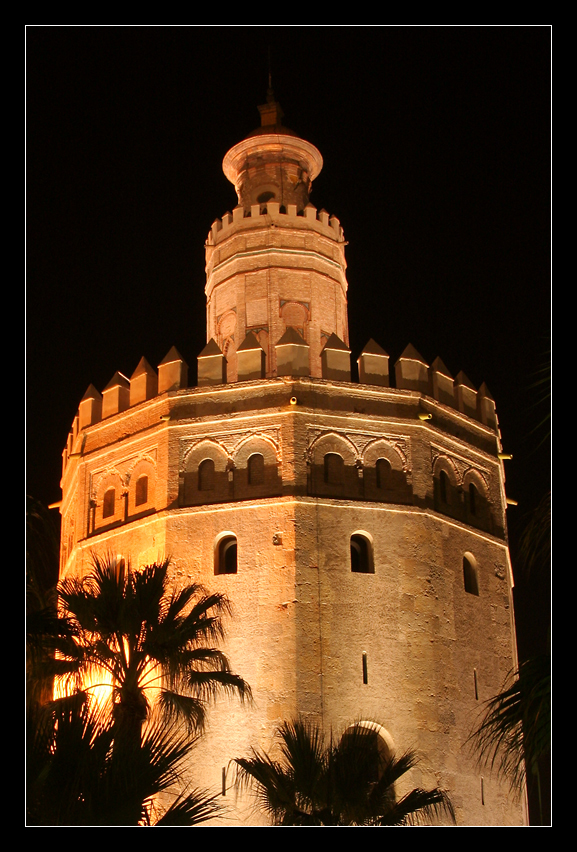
pixel 275 267
pixel 272 163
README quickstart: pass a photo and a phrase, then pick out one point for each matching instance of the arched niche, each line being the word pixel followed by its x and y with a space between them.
pixel 385 473
pixel 205 475
pixel 334 467
pixel 256 468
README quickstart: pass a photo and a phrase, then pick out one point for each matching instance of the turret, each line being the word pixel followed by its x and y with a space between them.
pixel 272 163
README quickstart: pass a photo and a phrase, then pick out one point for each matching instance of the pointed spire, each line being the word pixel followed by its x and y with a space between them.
pixel 271 114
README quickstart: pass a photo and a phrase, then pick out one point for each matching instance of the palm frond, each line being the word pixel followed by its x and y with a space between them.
pixel 419 807
pixel 191 809
pixel 515 728
pixel 347 781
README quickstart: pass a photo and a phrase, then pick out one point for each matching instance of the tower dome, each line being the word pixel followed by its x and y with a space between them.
pixel 272 163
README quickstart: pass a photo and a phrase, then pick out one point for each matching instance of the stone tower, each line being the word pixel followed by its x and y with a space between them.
pixel 358 528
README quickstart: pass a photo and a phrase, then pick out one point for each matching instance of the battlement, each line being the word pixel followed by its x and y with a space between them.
pixel 411 373
pixel 285 216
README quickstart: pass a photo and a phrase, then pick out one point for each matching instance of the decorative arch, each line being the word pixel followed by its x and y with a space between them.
pixel 296 315
pixel 206 448
pixel 257 443
pixel 381 448
pixel 334 442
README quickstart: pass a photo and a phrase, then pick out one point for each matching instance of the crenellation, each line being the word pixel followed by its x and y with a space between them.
pixel 90 408
pixel 442 385
pixel 466 395
pixel 486 412
pixel 116 395
pixel 412 371
pixel 286 216
pixel 143 383
pixel 172 372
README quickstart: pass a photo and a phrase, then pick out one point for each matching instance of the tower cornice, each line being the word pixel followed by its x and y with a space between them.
pixel 274 148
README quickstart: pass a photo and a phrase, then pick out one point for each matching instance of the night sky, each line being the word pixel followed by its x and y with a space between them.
pixel 436 145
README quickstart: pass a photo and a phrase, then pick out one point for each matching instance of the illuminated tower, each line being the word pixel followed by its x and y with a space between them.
pixel 358 528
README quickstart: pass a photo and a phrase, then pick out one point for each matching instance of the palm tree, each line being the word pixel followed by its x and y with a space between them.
pixel 153 651
pixel 349 781
pixel 514 732
pixel 75 776
pixel 152 644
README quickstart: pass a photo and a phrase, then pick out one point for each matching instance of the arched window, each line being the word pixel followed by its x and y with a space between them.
pixel 372 752
pixel 334 469
pixel 141 495
pixel 361 555
pixel 226 555
pixel 108 504
pixel 264 197
pixel 444 486
pixel 256 469
pixel 470 575
pixel 206 475
pixel 383 467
